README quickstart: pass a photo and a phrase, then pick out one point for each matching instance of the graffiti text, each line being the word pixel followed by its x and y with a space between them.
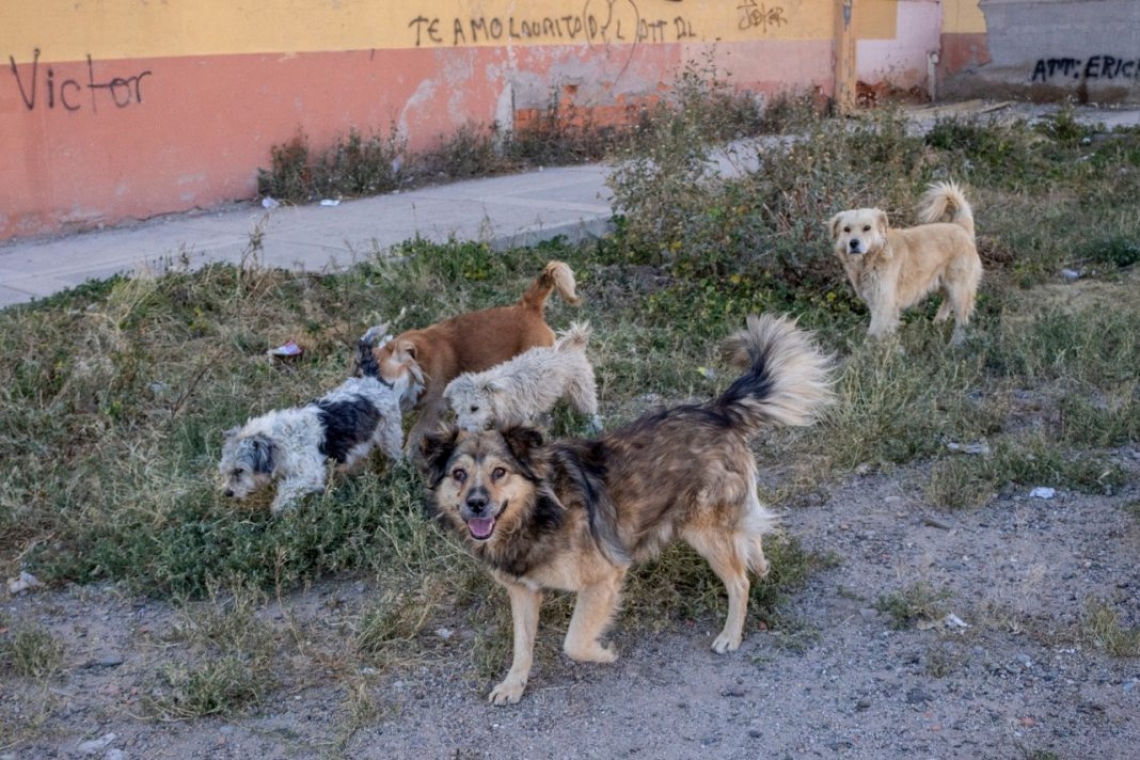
pixel 753 16
pixel 1094 67
pixel 68 93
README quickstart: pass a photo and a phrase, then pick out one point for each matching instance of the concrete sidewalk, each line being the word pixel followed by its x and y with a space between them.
pixel 520 209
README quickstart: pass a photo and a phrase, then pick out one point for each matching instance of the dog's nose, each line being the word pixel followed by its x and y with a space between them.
pixel 230 492
pixel 477 502
pixel 854 245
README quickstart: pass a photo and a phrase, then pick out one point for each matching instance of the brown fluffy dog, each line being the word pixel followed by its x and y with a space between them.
pixel 574 514
pixel 470 342
pixel 893 269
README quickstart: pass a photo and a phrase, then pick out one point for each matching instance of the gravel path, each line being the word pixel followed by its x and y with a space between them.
pixel 1011 675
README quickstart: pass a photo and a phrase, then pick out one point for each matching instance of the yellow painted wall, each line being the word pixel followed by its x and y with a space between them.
pixel 962 17
pixel 66 30
pixel 876 19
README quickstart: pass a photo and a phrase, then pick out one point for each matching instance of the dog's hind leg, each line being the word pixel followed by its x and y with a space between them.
pixel 729 555
pixel 525 603
pixel 593 612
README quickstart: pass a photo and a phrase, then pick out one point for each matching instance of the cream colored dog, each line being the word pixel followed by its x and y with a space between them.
pixel 893 269
pixel 518 391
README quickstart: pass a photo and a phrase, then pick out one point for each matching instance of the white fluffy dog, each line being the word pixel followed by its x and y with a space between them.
pixel 517 391
pixel 293 445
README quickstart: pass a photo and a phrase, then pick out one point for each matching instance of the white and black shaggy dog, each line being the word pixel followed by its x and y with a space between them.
pixel 292 446
pixel 517 391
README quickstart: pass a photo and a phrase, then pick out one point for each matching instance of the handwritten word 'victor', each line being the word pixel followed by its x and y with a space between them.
pixel 68 93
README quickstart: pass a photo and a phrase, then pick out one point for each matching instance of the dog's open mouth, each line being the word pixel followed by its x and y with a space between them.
pixel 481 527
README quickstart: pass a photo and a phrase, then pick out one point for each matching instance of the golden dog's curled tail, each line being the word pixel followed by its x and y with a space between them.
pixel 575 338
pixel 787 378
pixel 941 197
pixel 556 276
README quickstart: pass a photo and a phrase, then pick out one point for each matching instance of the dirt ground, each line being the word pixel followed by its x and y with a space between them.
pixel 1019 680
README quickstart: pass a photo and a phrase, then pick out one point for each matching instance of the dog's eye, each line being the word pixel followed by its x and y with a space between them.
pixel 846 229
pixel 866 228
pixel 239 472
pixel 498 473
pixel 474 409
pixel 459 475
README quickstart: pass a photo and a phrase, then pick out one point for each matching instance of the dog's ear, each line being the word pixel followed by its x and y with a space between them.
pixel 409 348
pixel 834 224
pixel 437 449
pixel 523 442
pixel 881 223
pixel 263 454
pixel 495 386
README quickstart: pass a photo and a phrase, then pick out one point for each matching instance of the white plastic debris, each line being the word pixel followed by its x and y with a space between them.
pixel 444 633
pixel 1070 274
pixel 1042 492
pixel 25 582
pixel 330 202
pixel 286 350
pixel 270 203
pixel 981 448
pixel 953 621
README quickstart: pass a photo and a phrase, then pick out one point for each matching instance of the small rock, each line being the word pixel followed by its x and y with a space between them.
pixel 917 696
pixel 1042 492
pixel 25 582
pixel 863 704
pixel 92 746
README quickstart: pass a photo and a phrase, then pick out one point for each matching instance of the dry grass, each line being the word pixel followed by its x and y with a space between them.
pixel 113 396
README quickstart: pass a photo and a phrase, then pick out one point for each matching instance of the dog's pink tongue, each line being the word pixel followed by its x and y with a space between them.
pixel 481 527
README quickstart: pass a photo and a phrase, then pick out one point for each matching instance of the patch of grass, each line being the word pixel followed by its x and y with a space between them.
pixel 970 481
pixel 942 659
pixel 1102 627
pixel 231 662
pixel 916 602
pixel 29 652
pixel 225 685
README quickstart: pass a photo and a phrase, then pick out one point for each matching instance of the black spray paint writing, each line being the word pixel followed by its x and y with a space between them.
pixel 584 27
pixel 68 94
pixel 753 16
pixel 1095 67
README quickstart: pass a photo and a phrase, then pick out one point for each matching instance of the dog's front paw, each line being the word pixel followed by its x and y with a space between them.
pixel 726 643
pixel 509 692
pixel 593 653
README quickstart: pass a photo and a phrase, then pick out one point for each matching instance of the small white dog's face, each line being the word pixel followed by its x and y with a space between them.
pixel 859 231
pixel 247 463
pixel 473 403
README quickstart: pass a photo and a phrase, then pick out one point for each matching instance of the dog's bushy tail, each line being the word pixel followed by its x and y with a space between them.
pixel 575 338
pixel 786 380
pixel 942 197
pixel 556 276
